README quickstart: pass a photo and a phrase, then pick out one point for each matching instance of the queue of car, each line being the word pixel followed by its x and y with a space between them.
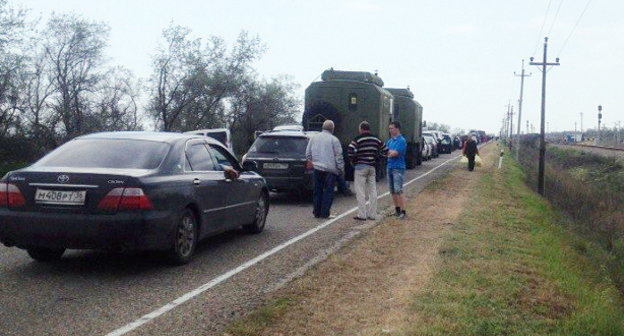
pixel 155 190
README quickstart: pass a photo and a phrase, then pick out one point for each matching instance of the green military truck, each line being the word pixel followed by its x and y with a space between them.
pixel 348 98
pixel 409 113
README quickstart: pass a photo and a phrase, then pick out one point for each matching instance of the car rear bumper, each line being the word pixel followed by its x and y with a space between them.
pixel 304 182
pixel 152 230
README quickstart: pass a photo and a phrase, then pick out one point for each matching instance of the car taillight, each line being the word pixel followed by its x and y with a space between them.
pixel 125 199
pixel 10 195
pixel 134 198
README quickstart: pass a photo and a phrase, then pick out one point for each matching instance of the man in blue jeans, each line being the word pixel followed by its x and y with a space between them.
pixel 397 147
pixel 324 152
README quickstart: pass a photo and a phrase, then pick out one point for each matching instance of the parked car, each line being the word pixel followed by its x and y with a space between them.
pixel 280 158
pixel 221 134
pixel 426 150
pixel 293 127
pixel 433 143
pixel 130 190
pixel 457 141
pixel 446 144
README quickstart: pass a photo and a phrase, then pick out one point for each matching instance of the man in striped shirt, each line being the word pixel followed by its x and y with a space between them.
pixel 364 153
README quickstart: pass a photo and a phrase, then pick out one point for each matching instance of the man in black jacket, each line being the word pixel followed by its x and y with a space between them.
pixel 470 150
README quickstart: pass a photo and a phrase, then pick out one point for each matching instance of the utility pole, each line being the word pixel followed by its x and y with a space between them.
pixel 527 127
pixel 599 119
pixel 510 129
pixel 542 151
pixel 511 121
pixel 581 122
pixel 522 75
pixel 574 132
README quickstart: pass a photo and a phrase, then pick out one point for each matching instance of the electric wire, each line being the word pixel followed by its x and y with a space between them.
pixel 539 35
pixel 555 19
pixel 574 27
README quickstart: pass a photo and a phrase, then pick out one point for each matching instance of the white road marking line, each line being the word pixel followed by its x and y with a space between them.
pixel 225 276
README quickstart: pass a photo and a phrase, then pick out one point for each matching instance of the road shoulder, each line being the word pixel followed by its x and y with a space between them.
pixel 368 284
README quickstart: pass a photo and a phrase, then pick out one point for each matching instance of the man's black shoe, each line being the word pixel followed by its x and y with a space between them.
pixel 359 218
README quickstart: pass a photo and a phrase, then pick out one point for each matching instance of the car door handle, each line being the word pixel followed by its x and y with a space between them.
pixel 196 182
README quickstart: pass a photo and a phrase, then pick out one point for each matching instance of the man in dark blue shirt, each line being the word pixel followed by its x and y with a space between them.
pixel 397 147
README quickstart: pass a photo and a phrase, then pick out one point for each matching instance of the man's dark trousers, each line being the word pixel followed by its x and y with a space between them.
pixel 323 196
pixel 471 161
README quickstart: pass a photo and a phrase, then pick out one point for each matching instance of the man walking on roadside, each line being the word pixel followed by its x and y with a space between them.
pixel 364 153
pixel 397 147
pixel 324 153
pixel 470 150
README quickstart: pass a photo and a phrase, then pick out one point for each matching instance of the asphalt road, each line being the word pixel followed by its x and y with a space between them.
pixel 96 293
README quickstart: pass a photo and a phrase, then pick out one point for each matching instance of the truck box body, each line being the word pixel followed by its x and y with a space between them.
pixel 348 98
pixel 409 113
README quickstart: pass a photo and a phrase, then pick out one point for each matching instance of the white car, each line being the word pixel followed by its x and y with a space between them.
pixel 294 127
pixel 221 134
pixel 426 150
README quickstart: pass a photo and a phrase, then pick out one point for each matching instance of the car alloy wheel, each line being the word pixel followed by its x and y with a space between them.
pixel 261 213
pixel 185 238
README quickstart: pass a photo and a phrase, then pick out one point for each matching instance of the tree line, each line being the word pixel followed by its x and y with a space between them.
pixel 56 83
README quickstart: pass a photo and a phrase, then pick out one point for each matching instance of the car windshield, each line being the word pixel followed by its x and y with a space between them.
pixel 283 145
pixel 107 153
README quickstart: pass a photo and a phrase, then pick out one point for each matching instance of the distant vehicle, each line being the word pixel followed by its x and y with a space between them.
pixel 280 158
pixel 409 113
pixel 221 134
pixel 433 143
pixel 426 150
pixel 348 98
pixel 435 136
pixel 456 141
pixel 296 128
pixel 130 190
pixel 446 144
pixel 480 136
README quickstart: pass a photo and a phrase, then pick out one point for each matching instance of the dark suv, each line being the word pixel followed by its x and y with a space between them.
pixel 281 160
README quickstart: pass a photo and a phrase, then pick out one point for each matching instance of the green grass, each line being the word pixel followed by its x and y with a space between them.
pixel 509 267
pixel 260 318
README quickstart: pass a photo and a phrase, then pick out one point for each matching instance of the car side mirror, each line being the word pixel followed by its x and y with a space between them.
pixel 250 165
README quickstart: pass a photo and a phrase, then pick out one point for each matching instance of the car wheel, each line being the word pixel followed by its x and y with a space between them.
pixel 185 239
pixel 262 209
pixel 45 254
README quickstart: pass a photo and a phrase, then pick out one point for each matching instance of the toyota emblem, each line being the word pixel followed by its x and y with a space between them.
pixel 62 178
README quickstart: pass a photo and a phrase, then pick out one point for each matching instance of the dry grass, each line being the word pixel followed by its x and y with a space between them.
pixel 367 288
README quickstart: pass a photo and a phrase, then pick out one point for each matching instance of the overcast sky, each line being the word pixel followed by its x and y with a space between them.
pixel 458 57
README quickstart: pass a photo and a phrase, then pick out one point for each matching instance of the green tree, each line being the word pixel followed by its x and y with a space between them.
pixel 192 82
pixel 12 24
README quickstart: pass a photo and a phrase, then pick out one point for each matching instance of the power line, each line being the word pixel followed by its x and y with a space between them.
pixel 539 35
pixel 573 28
pixel 555 19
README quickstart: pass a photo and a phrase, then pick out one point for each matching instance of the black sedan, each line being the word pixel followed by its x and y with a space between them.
pixel 130 190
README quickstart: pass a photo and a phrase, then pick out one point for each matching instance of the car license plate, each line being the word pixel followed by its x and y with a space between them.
pixel 62 197
pixel 270 165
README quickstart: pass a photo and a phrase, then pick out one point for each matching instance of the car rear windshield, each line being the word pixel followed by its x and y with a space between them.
pixel 107 153
pixel 280 145
pixel 219 135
